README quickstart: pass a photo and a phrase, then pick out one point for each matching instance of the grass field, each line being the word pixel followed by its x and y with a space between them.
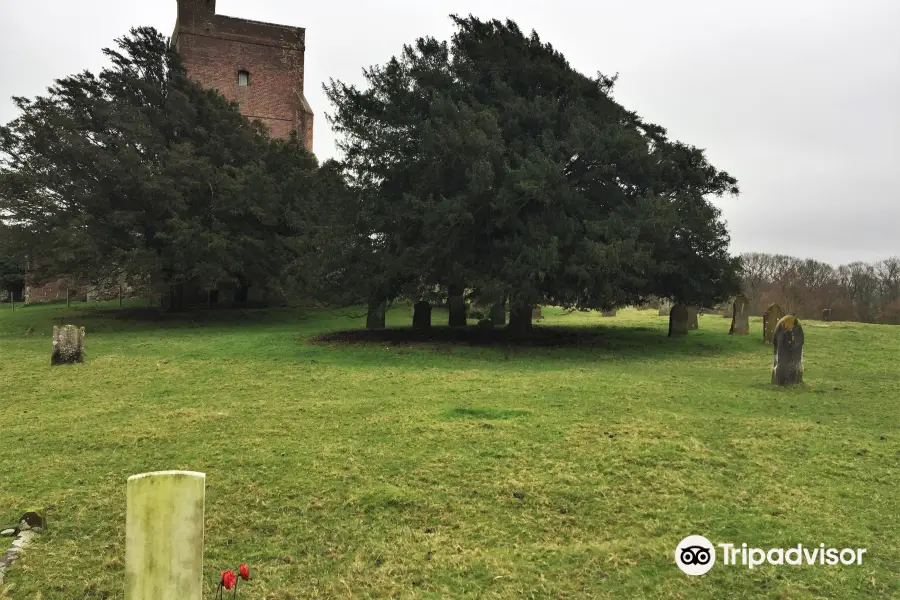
pixel 450 470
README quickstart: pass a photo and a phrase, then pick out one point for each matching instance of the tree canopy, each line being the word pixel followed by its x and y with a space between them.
pixel 489 162
pixel 139 171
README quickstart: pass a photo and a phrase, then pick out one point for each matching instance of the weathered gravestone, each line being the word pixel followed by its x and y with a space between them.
pixel 771 317
pixel 664 309
pixel 826 314
pixel 457 306
pixel 68 345
pixel 498 315
pixel 536 313
pixel 164 536
pixel 740 320
pixel 693 321
pixel 788 350
pixel 678 320
pixel 608 313
pixel 422 315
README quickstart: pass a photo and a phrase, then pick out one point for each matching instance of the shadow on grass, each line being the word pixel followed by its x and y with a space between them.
pixel 623 342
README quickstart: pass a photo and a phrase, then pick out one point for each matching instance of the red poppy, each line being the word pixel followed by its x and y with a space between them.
pixel 228 579
pixel 244 571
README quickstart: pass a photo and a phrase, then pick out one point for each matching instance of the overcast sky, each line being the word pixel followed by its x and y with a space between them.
pixel 798 99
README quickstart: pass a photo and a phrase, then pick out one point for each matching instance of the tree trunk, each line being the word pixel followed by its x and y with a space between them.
pixel 375 317
pixel 456 302
pixel 520 319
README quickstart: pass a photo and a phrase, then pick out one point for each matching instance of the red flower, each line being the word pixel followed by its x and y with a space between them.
pixel 228 579
pixel 244 571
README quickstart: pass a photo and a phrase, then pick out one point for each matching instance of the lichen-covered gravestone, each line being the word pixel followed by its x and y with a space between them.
pixel 693 321
pixel 788 350
pixel 164 536
pixel 68 345
pixel 421 315
pixel 740 320
pixel 771 317
pixel 678 320
pixel 826 314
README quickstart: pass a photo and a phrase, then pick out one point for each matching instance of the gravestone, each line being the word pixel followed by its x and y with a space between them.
pixel 664 309
pixel 788 350
pixel 608 313
pixel 740 320
pixel 68 345
pixel 693 321
pixel 678 320
pixel 457 306
pixel 422 315
pixel 498 315
pixel 164 536
pixel 771 317
pixel 536 314
pixel 826 314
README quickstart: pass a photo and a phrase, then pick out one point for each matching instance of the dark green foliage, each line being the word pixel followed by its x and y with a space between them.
pixel 489 161
pixel 138 171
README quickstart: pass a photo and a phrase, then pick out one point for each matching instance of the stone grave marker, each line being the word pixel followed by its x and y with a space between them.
pixel 608 313
pixel 788 350
pixel 68 345
pixel 826 314
pixel 740 320
pixel 498 315
pixel 771 317
pixel 536 314
pixel 164 536
pixel 422 315
pixel 664 309
pixel 678 320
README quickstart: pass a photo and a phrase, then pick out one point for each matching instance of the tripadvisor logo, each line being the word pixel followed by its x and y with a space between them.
pixel 696 555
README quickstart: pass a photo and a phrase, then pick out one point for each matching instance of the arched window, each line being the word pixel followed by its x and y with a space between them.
pixel 243 78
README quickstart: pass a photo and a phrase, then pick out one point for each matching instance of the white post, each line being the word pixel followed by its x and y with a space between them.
pixel 164 536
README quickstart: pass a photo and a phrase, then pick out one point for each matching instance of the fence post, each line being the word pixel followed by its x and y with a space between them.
pixel 164 536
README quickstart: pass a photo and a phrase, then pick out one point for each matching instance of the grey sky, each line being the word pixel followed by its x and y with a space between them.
pixel 798 99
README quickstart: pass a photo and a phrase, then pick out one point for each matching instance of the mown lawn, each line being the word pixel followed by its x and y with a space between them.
pixel 450 470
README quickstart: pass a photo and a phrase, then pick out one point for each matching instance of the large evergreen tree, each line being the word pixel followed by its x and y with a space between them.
pixel 490 163
pixel 139 171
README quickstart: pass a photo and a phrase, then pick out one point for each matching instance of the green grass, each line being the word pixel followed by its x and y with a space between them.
pixel 442 470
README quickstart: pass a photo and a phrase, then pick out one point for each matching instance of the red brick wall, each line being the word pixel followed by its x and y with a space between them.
pixel 215 48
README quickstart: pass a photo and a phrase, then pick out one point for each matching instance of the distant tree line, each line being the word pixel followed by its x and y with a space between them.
pixel 859 291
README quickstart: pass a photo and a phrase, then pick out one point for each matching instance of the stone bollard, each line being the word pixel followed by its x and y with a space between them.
pixel 678 320
pixel 740 320
pixel 771 317
pixel 788 349
pixel 422 315
pixel 68 345
pixel 164 536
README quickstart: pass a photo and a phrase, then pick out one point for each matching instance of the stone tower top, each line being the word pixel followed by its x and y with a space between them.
pixel 192 13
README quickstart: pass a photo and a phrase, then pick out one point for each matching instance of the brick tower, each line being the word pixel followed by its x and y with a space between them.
pixel 260 65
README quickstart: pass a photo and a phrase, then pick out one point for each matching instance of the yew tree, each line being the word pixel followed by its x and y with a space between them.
pixel 489 163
